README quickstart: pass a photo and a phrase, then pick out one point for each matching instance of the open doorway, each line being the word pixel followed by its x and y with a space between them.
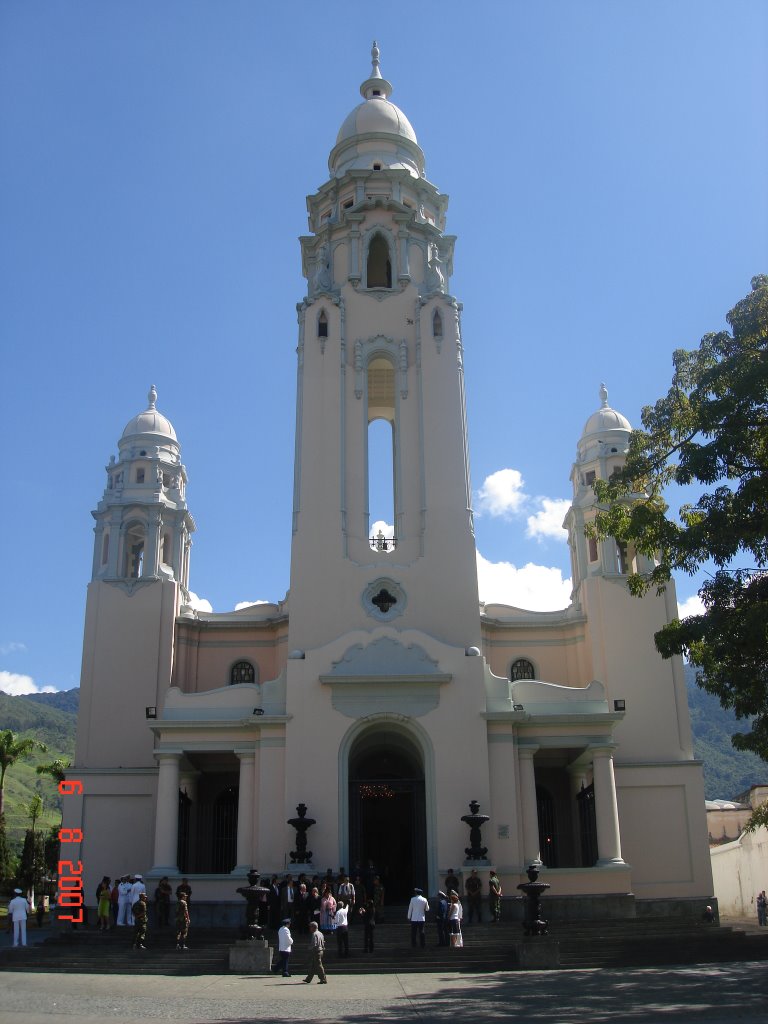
pixel 387 822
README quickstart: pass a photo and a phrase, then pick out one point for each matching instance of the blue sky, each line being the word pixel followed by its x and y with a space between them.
pixel 607 166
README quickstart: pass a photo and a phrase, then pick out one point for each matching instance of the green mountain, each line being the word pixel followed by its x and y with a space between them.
pixel 727 771
pixel 50 718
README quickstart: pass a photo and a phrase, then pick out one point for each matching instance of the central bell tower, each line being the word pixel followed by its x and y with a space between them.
pixel 380 398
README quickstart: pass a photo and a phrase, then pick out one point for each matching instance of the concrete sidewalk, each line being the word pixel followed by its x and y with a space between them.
pixel 715 994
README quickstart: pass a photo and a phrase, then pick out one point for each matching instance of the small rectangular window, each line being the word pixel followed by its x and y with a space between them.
pixel 139 476
pixel 348 203
pixel 589 479
pixel 592 549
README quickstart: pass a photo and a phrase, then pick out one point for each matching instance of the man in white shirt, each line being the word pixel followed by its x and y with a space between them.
pixel 285 945
pixel 18 909
pixel 417 915
pixel 342 927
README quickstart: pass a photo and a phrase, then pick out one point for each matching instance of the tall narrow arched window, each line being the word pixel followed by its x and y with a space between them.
pixel 379 263
pixel 437 324
pixel 322 325
pixel 521 669
pixel 133 551
pixel 105 549
pixel 381 447
pixel 165 556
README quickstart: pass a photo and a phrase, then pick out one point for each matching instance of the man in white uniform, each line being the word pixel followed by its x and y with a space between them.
pixel 18 909
pixel 417 915
pixel 124 914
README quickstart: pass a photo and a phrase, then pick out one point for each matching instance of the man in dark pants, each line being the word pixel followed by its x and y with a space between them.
pixel 316 950
pixel 474 890
pixel 417 915
pixel 443 938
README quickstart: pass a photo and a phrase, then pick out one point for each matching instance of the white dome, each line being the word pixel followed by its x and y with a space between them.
pixel 605 418
pixel 378 116
pixel 376 132
pixel 150 421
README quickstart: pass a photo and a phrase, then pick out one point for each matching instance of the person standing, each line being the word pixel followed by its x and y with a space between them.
pixel 285 945
pixel 327 910
pixel 451 881
pixel 494 896
pixel 473 887
pixel 316 950
pixel 442 919
pixel 455 915
pixel 114 900
pixel 347 893
pixel 163 902
pixel 18 911
pixel 342 928
pixel 103 898
pixel 124 917
pixel 417 915
pixel 368 914
pixel 140 922
pixel 137 888
pixel 762 908
pixel 182 922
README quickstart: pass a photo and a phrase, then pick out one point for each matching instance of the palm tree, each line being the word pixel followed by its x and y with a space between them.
pixel 56 769
pixel 12 748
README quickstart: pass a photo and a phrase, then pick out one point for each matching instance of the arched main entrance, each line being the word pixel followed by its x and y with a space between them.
pixel 387 820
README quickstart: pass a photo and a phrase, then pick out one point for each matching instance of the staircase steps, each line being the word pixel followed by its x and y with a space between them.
pixel 488 947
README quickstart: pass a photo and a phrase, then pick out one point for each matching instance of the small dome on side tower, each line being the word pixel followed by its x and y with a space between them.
pixel 150 421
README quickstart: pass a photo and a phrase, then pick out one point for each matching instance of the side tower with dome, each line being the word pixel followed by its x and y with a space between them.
pixel 381 693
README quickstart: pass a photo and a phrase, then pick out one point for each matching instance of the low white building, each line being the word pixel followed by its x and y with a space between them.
pixel 380 693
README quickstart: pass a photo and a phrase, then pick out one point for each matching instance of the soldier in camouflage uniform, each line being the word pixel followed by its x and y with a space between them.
pixel 140 922
pixel 182 922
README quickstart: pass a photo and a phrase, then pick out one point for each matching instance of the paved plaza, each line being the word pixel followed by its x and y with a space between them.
pixel 711 993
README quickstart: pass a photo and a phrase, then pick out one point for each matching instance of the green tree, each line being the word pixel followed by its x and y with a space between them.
pixel 32 866
pixel 57 769
pixel 710 430
pixel 12 748
pixel 6 864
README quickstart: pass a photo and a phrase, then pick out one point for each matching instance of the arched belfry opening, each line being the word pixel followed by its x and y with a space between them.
pixel 379 264
pixel 387 819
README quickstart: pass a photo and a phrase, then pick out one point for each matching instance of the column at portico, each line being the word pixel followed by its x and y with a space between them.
pixel 577 773
pixel 606 807
pixel 167 813
pixel 530 815
pixel 245 801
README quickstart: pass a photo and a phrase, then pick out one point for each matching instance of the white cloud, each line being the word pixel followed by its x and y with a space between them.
pixel 248 604
pixel 14 684
pixel 199 603
pixel 13 648
pixel 386 528
pixel 548 521
pixel 538 588
pixel 691 606
pixel 502 494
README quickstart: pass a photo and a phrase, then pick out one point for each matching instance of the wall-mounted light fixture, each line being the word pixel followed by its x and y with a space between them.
pixel 619 705
pixel 258 711
pixel 150 712
pixel 518 707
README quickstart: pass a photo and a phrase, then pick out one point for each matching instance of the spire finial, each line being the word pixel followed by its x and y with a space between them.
pixel 604 396
pixel 152 396
pixel 375 68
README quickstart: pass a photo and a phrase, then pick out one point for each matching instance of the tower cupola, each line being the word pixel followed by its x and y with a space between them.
pixel 376 135
pixel 143 528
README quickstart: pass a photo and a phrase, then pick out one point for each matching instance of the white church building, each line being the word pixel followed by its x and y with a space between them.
pixel 380 692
